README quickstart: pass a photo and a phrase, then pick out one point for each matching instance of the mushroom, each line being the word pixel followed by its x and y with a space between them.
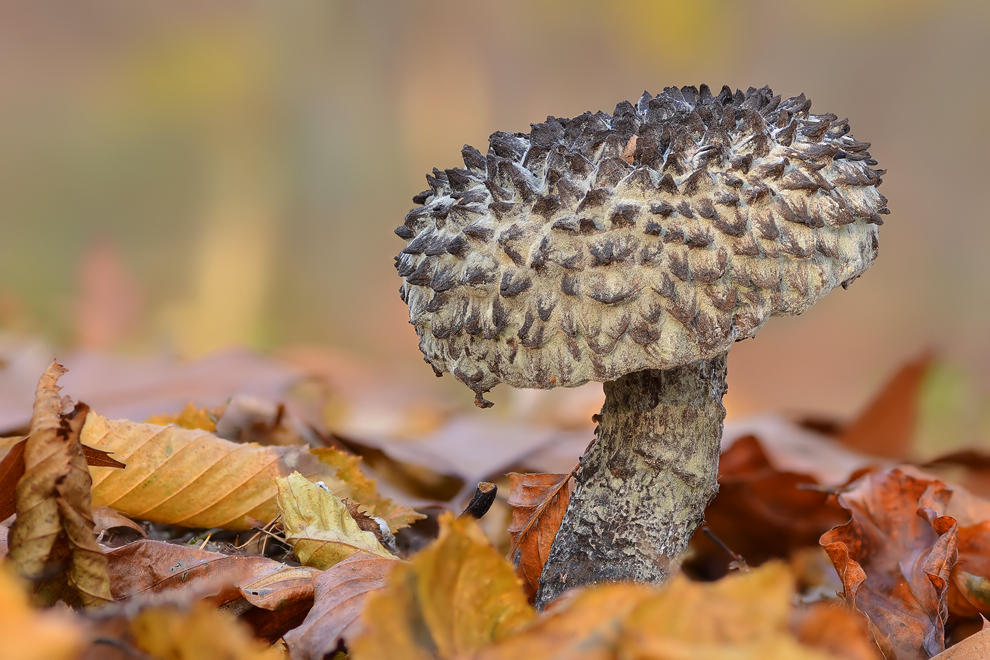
pixel 634 249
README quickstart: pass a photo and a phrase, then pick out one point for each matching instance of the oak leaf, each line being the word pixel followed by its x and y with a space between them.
pixel 894 557
pixel 341 592
pixel 52 541
pixel 455 597
pixel 318 526
pixel 193 478
pixel 538 503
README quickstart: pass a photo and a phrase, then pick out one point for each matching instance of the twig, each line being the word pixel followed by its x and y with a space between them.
pixel 483 498
pixel 737 562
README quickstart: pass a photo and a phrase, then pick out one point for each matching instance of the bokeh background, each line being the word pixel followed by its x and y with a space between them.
pixel 189 175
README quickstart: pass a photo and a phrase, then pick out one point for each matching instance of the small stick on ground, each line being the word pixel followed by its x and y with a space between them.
pixel 738 562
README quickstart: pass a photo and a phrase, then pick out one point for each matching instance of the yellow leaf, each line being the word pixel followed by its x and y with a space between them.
pixel 201 633
pixel 52 540
pixel 454 598
pixel 318 526
pixel 190 417
pixel 585 628
pixel 362 489
pixel 28 634
pixel 744 616
pixel 193 478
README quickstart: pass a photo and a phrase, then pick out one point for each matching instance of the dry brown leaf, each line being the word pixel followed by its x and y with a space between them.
pixel 318 526
pixel 199 633
pixel 586 627
pixel 52 541
pixel 193 478
pixel 29 634
pixel 894 558
pixel 538 503
pixel 154 571
pixel 341 592
pixel 837 631
pixel 744 616
pixel 454 598
pixel 281 601
pixel 761 512
pixel 976 647
pixel 105 519
pixel 887 426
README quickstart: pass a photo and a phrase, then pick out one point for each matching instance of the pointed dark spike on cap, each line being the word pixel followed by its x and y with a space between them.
pixel 623 109
pixel 786 136
pixel 404 232
pixel 473 159
pixel 817 132
pixel 705 95
pixel 690 95
pixel 667 184
pixel 738 98
pixel 644 102
pixel 422 197
pixel 725 96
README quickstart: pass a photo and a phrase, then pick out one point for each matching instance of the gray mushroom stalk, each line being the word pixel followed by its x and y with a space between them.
pixel 634 249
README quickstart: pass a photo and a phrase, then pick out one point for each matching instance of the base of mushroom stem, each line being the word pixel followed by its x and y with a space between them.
pixel 642 487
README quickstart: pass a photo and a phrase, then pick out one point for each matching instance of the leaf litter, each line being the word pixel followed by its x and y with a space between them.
pixel 911 551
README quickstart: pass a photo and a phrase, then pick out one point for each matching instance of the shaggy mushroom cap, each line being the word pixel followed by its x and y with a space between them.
pixel 594 247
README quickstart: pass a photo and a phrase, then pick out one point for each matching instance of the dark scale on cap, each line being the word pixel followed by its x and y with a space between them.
pixel 601 245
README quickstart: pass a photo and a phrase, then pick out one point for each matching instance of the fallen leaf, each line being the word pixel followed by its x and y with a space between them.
pixel 761 512
pixel 190 417
pixel 454 598
pixel 894 557
pixel 280 601
pixel 538 503
pixel 837 631
pixel 744 616
pixel 341 592
pixel 199 633
pixel 105 519
pixel 29 634
pixel 52 540
pixel 975 647
pixel 588 626
pixel 193 478
pixel 156 571
pixel 318 526
pixel 888 424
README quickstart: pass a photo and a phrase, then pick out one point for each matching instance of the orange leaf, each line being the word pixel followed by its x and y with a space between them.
pixel 341 592
pixel 894 558
pixel 200 632
pixel 538 503
pixel 887 426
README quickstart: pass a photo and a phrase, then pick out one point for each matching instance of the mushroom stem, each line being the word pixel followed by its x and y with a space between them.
pixel 643 486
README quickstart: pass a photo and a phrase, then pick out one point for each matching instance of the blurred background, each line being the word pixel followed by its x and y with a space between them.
pixel 180 177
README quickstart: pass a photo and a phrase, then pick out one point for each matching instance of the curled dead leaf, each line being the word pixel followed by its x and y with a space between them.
pixel 538 503
pixel 894 557
pixel 341 592
pixel 52 540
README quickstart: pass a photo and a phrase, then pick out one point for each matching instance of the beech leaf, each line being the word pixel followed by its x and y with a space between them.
pixel 318 526
pixel 538 503
pixel 193 478
pixel 455 597
pixel 341 592
pixel 52 540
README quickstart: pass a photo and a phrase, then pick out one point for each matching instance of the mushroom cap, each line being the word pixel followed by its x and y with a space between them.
pixel 594 247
